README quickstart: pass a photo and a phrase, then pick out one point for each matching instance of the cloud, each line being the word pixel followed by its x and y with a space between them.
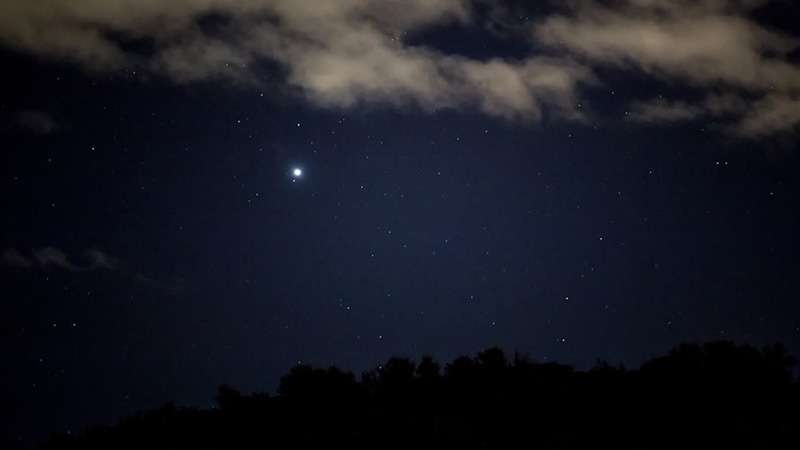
pixel 54 258
pixel 659 111
pixel 335 53
pixel 704 44
pixel 701 42
pixel 101 260
pixel 771 114
pixel 15 259
pixel 38 122
pixel 765 116
pixel 717 106
pixel 346 53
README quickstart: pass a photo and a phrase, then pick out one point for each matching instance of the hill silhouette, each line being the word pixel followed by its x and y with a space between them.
pixel 715 395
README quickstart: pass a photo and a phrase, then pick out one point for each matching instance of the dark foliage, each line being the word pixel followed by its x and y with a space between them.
pixel 717 395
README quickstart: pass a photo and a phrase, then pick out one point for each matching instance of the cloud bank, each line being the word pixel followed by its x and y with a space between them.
pixel 336 53
pixel 340 54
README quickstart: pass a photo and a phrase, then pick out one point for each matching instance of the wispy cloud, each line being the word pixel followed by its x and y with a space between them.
pixel 38 122
pixel 15 259
pixel 660 111
pixel 54 258
pixel 101 260
pixel 50 257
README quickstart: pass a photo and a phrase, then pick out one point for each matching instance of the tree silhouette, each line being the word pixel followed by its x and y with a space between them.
pixel 716 395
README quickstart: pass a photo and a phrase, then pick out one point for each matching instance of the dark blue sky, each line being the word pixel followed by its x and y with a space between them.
pixel 155 244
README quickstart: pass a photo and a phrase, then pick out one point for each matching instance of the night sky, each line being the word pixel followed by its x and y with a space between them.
pixel 597 180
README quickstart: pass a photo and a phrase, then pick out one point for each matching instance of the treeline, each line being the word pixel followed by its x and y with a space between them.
pixel 716 395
